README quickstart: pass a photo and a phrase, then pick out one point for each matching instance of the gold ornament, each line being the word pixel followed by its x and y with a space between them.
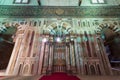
pixel 59 11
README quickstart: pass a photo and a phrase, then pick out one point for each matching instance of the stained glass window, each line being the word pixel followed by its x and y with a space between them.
pixel 21 1
pixel 98 1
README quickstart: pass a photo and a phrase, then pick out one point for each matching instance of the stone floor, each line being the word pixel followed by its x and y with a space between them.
pixel 21 78
pixel 37 77
pixel 100 77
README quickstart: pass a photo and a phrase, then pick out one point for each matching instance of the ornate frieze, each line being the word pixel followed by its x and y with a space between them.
pixel 37 11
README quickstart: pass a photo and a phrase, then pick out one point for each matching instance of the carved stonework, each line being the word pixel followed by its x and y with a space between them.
pixel 59 62
pixel 113 26
pixel 36 11
pixel 59 11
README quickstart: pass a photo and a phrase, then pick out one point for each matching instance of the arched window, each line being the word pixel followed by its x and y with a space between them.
pixel 98 1
pixel 26 69
pixel 35 23
pixel 21 1
pixel 80 1
pixel 92 70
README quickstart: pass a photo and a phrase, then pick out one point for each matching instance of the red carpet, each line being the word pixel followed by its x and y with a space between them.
pixel 59 76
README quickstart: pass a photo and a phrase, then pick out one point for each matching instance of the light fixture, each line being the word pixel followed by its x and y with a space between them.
pixel 58 39
pixel 44 40
pixel 72 39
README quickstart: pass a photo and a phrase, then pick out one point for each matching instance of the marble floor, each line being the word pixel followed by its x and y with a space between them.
pixel 21 78
pixel 100 77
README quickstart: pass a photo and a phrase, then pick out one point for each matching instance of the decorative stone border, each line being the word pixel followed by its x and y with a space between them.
pixel 38 12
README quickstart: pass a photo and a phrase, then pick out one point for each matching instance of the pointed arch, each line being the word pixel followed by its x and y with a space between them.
pixel 54 27
pixel 92 68
pixel 112 26
pixel 26 69
pixel 35 23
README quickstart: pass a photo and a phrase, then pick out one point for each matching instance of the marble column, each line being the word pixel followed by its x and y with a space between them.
pixel 77 56
pixel 38 46
pixel 89 35
pixel 81 51
pixel 45 64
pixel 100 57
pixel 33 43
pixel 23 49
pixel 50 59
pixel 88 42
pixel 94 45
pixel 105 59
pixel 14 56
pixel 67 59
pixel 27 44
pixel 41 58
pixel 84 46
pixel 81 57
pixel 72 55
pixel 84 53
